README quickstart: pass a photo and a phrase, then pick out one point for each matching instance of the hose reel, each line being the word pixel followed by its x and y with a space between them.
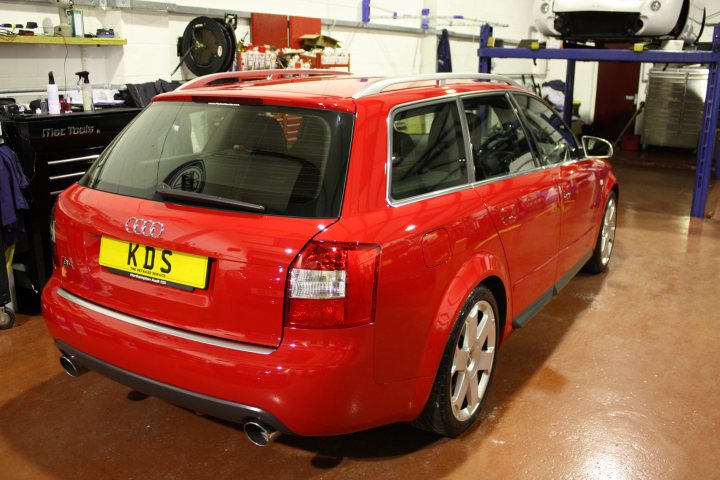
pixel 208 45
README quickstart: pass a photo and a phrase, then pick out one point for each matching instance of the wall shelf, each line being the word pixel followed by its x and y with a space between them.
pixel 42 40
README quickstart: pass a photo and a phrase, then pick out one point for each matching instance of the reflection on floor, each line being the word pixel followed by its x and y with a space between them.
pixel 616 378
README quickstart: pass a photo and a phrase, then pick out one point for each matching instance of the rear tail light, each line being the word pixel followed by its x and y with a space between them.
pixel 333 285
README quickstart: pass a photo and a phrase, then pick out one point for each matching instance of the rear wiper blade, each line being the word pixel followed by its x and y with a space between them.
pixel 165 191
pixel 272 153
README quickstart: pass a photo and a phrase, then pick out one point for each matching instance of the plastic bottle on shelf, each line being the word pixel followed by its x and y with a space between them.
pixel 53 97
pixel 87 92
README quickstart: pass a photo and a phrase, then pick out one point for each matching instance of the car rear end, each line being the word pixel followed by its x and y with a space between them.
pixel 187 264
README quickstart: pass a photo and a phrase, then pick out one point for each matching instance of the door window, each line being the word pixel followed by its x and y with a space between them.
pixel 428 152
pixel 499 144
pixel 555 141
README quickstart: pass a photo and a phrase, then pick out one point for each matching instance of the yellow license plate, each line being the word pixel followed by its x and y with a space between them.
pixel 153 264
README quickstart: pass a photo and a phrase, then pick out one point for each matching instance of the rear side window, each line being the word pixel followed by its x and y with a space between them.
pixel 499 144
pixel 289 161
pixel 428 153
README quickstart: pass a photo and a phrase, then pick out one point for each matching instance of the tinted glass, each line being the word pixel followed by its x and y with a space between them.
pixel 499 144
pixel 427 150
pixel 291 161
pixel 554 140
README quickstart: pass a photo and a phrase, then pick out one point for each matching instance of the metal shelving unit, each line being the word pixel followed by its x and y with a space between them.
pixel 711 58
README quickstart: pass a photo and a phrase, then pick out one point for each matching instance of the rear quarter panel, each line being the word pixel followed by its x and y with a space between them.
pixel 416 305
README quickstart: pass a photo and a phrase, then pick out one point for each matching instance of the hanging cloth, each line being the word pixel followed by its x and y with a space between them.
pixel 9 253
pixel 12 200
pixel 444 60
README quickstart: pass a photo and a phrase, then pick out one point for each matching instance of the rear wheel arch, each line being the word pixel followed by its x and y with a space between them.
pixel 466 369
pixel 482 269
pixel 498 289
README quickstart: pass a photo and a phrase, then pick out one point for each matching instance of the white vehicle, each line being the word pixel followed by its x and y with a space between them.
pixel 620 19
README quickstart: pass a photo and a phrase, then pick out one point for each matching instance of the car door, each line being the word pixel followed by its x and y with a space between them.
pixel 522 198
pixel 434 222
pixel 560 153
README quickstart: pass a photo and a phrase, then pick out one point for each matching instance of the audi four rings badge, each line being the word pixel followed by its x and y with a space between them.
pixel 147 228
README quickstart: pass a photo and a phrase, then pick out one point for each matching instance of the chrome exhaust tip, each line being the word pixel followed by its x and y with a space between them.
pixel 72 367
pixel 260 433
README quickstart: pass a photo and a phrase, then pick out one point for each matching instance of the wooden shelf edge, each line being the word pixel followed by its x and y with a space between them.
pixel 42 40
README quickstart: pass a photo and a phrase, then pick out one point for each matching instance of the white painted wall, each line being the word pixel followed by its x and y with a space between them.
pixel 151 50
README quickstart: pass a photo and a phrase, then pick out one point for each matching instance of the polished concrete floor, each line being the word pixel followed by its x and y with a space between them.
pixel 618 378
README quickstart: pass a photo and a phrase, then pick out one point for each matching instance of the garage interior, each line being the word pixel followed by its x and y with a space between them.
pixel 616 378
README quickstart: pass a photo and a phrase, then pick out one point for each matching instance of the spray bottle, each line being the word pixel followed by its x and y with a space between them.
pixel 52 93
pixel 87 93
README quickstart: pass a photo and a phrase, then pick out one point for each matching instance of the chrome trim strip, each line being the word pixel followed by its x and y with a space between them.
pixel 467 144
pixel 523 119
pixel 171 331
pixel 415 103
pixel 71 160
pixel 56 192
pixel 67 175
pixel 378 86
pixel 388 162
pixel 426 196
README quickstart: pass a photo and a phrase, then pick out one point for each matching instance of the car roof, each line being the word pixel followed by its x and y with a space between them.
pixel 330 90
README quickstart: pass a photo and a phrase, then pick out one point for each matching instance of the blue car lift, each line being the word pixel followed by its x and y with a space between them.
pixel 710 115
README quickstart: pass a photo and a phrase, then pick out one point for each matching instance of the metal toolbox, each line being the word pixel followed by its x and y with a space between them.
pixel 55 151
pixel 674 107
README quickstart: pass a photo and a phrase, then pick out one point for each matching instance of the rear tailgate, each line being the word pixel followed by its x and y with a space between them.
pixel 241 296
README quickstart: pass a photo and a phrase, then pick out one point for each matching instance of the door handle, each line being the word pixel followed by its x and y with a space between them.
pixel 508 214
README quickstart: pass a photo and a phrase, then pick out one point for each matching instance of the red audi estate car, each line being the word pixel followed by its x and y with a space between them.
pixel 318 254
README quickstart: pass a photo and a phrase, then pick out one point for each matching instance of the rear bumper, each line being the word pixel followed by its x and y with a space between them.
pixel 317 382
pixel 235 412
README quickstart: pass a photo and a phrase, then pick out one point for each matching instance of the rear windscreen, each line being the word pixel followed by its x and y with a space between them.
pixel 290 161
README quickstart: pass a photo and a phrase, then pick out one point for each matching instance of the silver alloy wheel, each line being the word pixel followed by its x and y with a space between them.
pixel 473 361
pixel 607 236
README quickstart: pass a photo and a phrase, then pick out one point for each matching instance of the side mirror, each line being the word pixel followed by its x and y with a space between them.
pixel 595 147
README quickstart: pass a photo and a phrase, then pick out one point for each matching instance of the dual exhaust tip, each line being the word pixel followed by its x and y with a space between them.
pixel 72 366
pixel 257 431
pixel 260 433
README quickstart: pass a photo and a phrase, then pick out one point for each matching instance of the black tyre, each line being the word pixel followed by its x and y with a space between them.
pixel 7 318
pixel 682 19
pixel 466 370
pixel 702 25
pixel 606 238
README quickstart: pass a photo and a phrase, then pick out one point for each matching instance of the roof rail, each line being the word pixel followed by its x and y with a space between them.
pixel 227 78
pixel 378 86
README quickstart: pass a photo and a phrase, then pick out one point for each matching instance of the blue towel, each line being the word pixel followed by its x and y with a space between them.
pixel 444 59
pixel 12 200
